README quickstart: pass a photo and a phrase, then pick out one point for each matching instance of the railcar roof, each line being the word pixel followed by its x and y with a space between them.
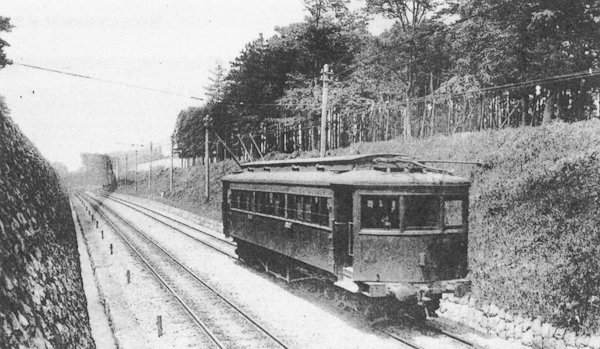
pixel 329 161
pixel 353 178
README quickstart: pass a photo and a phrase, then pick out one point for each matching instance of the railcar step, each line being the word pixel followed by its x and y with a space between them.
pixel 348 272
pixel 347 285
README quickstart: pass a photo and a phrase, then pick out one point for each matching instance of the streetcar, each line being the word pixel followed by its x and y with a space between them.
pixel 382 225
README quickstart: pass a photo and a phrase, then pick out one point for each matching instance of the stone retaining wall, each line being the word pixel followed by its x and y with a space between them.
pixel 42 302
pixel 488 318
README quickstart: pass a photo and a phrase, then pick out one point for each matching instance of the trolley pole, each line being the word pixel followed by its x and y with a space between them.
pixel 206 160
pixel 325 79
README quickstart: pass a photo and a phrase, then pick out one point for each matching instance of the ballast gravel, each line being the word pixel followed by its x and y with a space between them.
pixel 295 315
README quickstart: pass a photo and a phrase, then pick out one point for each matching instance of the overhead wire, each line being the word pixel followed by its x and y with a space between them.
pixel 106 81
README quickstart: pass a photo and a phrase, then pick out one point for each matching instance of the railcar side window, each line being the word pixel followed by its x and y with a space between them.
pixel 320 211
pixel 279 204
pixel 380 212
pixel 308 212
pixel 421 212
pixel 235 195
pixel 453 213
pixel 295 207
pixel 312 209
pixel 263 202
pixel 246 198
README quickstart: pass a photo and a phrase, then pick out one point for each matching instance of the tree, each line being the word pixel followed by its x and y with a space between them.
pixel 217 87
pixel 409 13
pixel 508 42
pixel 188 134
pixel 5 26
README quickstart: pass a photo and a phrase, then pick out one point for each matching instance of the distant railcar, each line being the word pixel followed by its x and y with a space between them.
pixel 382 224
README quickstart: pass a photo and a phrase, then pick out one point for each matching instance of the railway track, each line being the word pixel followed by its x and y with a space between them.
pixel 226 324
pixel 217 243
pixel 458 340
pixel 228 248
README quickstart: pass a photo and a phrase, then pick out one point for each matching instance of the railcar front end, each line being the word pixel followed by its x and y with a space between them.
pixel 408 235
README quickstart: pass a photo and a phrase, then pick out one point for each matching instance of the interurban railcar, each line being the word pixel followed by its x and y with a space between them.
pixel 381 224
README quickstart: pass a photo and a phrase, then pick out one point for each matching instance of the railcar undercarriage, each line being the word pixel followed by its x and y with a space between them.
pixel 373 305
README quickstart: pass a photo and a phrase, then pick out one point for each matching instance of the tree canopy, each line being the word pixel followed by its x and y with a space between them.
pixel 481 56
pixel 5 26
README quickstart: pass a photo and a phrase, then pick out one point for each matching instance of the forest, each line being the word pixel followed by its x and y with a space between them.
pixel 443 67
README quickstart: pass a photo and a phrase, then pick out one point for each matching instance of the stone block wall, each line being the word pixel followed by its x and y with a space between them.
pixel 490 319
pixel 42 302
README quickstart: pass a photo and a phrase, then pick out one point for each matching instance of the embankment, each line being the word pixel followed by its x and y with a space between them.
pixel 42 302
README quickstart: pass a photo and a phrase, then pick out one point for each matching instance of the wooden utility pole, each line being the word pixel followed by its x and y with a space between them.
pixel 136 170
pixel 118 165
pixel 150 177
pixel 171 172
pixel 125 169
pixel 206 160
pixel 325 79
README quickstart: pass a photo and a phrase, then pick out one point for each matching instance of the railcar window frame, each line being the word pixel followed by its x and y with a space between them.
pixel 463 212
pixel 404 227
pixel 410 212
pixel 380 212
pixel 306 209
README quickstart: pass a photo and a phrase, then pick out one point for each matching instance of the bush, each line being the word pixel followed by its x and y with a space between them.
pixel 535 224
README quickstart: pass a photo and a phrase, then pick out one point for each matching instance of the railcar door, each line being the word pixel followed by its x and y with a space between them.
pixel 343 241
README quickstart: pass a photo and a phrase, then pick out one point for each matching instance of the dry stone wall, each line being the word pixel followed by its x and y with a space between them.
pixel 42 302
pixel 488 318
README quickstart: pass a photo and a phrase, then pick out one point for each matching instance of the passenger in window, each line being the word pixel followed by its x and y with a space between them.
pixel 385 222
pixel 369 218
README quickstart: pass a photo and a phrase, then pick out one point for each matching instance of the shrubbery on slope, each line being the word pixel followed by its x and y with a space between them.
pixel 536 226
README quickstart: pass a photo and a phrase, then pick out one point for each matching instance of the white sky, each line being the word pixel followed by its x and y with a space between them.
pixel 156 44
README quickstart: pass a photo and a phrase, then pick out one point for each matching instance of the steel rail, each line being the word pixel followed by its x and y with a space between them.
pixel 175 228
pixel 404 341
pixel 446 333
pixel 193 275
pixel 127 203
pixel 453 336
pixel 159 278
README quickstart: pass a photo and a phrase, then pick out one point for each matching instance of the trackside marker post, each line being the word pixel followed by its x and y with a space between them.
pixel 159 325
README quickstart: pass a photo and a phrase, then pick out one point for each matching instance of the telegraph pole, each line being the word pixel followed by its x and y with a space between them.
pixel 150 177
pixel 136 169
pixel 125 169
pixel 171 172
pixel 118 165
pixel 325 79
pixel 206 160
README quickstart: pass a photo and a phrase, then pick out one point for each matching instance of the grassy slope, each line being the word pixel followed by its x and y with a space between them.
pixel 534 213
